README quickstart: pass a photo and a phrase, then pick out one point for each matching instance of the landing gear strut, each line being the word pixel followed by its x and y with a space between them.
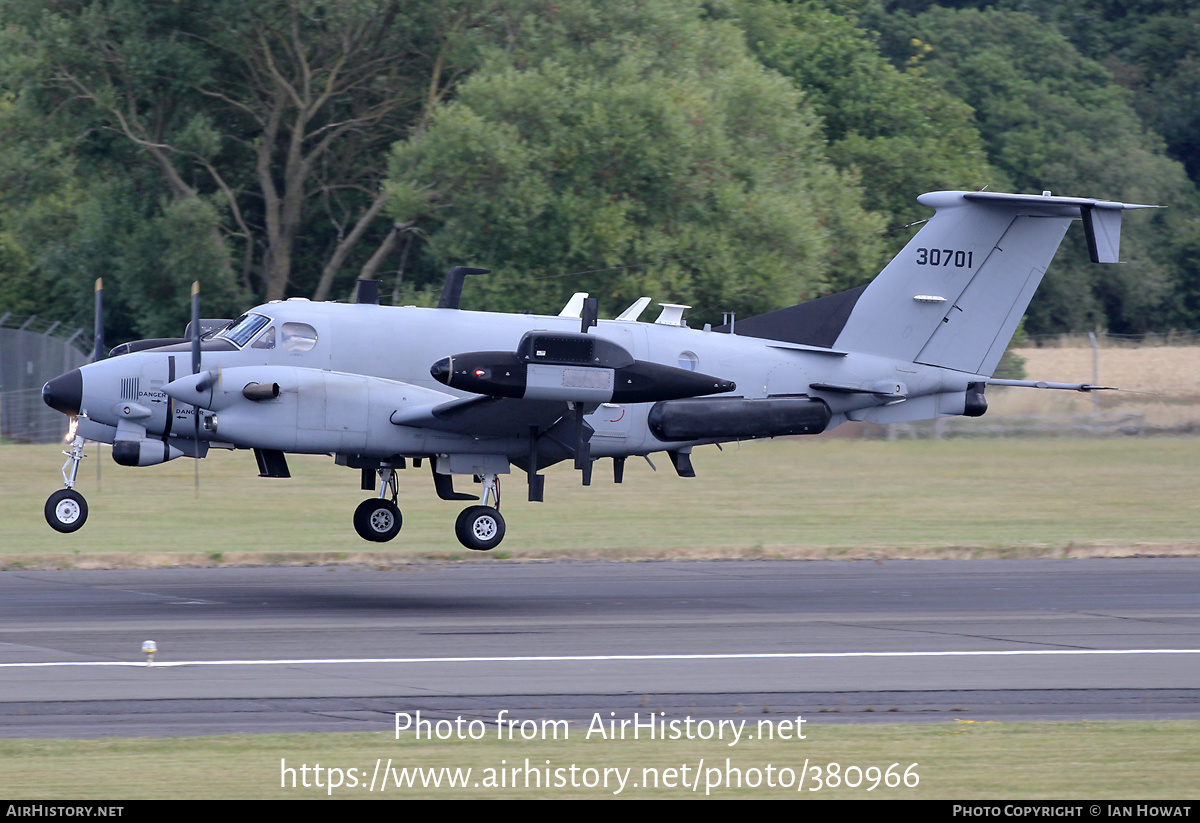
pixel 66 510
pixel 378 519
pixel 481 528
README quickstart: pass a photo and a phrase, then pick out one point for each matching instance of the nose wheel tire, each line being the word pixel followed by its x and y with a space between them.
pixel 479 528
pixel 66 511
pixel 377 520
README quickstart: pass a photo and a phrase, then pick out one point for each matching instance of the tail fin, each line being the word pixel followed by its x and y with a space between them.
pixel 955 294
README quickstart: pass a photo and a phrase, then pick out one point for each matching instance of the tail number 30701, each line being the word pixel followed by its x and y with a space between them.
pixel 945 257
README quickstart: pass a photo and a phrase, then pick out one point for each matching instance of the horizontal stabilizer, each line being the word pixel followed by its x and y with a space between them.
pixel 1101 218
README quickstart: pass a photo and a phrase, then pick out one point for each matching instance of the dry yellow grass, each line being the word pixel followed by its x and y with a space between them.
pixel 1171 373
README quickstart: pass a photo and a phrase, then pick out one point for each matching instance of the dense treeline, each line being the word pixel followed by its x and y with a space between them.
pixel 733 154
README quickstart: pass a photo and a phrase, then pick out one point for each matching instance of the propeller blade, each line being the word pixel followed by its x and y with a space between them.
pixel 195 327
pixel 196 370
pixel 98 353
pixel 98 340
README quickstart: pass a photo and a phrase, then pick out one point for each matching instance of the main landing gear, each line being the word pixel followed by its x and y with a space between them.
pixel 479 528
pixel 378 519
pixel 66 510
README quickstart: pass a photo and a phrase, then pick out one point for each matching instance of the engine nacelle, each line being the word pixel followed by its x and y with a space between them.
pixel 576 367
pixel 144 452
pixel 292 409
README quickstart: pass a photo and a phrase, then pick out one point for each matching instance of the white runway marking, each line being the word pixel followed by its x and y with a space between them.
pixel 604 657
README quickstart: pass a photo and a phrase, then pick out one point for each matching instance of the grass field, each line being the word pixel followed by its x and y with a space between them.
pixel 809 498
pixel 804 498
pixel 960 761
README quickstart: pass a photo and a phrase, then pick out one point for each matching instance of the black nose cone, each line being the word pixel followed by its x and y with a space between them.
pixel 65 392
pixel 440 371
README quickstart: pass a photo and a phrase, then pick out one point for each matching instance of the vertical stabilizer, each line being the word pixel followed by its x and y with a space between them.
pixel 954 295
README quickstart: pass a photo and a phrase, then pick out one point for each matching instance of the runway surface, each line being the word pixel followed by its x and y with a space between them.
pixel 343 648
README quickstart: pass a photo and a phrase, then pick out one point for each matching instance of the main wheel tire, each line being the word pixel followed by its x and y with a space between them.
pixel 479 528
pixel 66 511
pixel 377 520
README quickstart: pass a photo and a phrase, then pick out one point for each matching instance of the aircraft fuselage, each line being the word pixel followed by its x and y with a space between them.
pixel 367 361
pixel 474 393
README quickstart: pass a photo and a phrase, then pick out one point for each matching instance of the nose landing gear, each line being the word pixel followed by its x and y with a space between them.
pixel 66 510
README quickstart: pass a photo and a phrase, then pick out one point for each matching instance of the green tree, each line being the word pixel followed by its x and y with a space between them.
pixel 632 133
pixel 37 193
pixel 265 126
pixel 896 128
pixel 1051 119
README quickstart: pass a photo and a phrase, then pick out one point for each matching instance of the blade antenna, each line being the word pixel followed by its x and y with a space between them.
pixel 589 313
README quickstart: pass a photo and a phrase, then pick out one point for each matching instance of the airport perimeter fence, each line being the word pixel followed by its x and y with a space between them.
pixel 33 351
pixel 1079 340
pixel 1159 370
pixel 1121 424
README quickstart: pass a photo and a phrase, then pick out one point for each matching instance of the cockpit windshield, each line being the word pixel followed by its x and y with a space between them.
pixel 242 330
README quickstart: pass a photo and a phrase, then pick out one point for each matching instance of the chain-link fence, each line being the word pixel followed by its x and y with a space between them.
pixel 1158 375
pixel 1188 337
pixel 33 351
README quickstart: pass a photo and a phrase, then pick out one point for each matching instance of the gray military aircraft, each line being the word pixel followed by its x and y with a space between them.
pixel 474 393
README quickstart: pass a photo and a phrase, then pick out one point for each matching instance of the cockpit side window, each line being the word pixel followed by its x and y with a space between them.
pixel 242 331
pixel 298 337
pixel 266 340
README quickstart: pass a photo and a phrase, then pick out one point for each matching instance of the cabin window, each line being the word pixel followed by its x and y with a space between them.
pixel 298 337
pixel 688 360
